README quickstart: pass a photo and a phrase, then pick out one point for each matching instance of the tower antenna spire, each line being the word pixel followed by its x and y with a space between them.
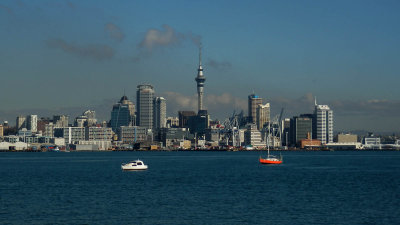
pixel 200 54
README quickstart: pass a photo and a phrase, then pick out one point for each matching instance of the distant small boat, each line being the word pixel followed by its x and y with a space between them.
pixel 56 149
pixel 271 159
pixel 134 165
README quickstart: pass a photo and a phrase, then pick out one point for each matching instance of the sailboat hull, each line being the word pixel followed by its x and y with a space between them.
pixel 270 161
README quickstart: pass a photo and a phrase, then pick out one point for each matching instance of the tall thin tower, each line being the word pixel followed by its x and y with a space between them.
pixel 200 79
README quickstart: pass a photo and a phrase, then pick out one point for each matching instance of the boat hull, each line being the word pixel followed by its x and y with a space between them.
pixel 134 167
pixel 270 161
pixel 130 169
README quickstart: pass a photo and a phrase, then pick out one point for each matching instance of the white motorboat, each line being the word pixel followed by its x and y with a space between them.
pixel 134 165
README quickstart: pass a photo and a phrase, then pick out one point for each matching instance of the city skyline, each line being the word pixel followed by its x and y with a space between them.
pixel 66 57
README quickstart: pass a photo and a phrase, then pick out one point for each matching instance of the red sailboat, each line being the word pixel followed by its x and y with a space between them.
pixel 271 159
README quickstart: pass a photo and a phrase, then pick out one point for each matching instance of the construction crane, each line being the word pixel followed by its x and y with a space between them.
pixel 231 129
pixel 275 129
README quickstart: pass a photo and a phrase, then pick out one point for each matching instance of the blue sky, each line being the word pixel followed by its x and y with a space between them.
pixel 70 56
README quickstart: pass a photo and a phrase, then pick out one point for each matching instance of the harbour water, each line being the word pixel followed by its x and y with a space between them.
pixel 200 188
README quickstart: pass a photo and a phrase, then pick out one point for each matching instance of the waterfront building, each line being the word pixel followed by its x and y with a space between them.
pixel 121 114
pixel 132 134
pixel 262 115
pixel 323 124
pixel 347 138
pixel 300 128
pixel 20 122
pixel 212 134
pixel 98 134
pixel 1 131
pixel 31 123
pixel 49 130
pixel 309 143
pixel 253 102
pixel 12 138
pixel 71 134
pixel 13 145
pixel 93 145
pixel 144 101
pixel 159 113
pixel 171 135
pixel 200 79
pixel 252 137
pixel 371 141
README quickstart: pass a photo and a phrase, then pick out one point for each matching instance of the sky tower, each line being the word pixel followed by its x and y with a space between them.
pixel 200 79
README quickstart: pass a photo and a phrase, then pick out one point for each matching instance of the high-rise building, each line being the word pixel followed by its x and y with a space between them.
pixel 21 122
pixel 87 119
pixel 300 128
pixel 199 123
pixel 285 131
pixel 120 114
pixel 145 95
pixel 323 124
pixel 60 120
pixel 124 100
pixel 200 79
pixel 262 115
pixel 159 113
pixel 31 123
pixel 1 130
pixel 91 117
pixel 253 102
pixel 184 118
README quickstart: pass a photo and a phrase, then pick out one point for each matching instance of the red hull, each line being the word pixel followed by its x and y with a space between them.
pixel 266 161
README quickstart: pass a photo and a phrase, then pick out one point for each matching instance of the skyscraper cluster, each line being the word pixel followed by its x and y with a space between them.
pixel 144 123
pixel 315 129
pixel 259 113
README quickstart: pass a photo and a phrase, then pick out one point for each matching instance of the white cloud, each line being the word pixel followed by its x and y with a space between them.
pixel 160 38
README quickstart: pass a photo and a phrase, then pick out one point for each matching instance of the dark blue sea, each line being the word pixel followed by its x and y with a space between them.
pixel 200 188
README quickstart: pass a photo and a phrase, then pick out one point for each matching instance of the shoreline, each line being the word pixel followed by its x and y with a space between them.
pixel 212 150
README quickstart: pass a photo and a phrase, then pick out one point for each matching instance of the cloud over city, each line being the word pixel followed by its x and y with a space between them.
pixel 166 37
pixel 93 51
pixel 219 65
pixel 114 32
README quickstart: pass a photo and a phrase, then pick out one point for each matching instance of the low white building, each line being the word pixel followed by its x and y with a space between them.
pixel 13 146
pixel 95 145
pixel 345 146
pixel 252 137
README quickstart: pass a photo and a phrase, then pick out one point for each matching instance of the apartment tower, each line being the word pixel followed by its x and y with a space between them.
pixel 144 102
